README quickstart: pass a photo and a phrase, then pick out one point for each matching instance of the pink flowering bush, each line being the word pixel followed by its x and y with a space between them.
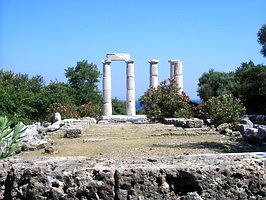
pixel 90 110
pixel 222 109
pixel 86 110
pixel 166 101
pixel 66 111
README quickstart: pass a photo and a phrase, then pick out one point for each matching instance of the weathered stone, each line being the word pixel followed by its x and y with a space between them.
pixel 262 134
pixel 242 128
pixel 74 132
pixel 173 64
pixel 118 56
pixel 247 122
pixel 57 117
pixel 131 103
pixel 137 119
pixel 250 135
pixel 50 150
pixel 183 177
pixel 153 73
pixel 185 123
pixel 33 140
pixel 261 119
pixel 223 128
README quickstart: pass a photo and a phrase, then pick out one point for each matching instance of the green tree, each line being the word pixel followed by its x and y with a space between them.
pixel 84 78
pixel 252 86
pixel 19 96
pixel 118 107
pixel 262 39
pixel 213 84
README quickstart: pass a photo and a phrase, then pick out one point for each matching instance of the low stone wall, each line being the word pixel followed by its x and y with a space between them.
pixel 185 123
pixel 183 177
pixel 137 119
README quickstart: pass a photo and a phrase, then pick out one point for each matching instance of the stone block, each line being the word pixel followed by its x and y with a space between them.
pixel 118 56
pixel 57 117
pixel 74 132
pixel 262 133
pixel 222 127
pixel 242 127
pixel 247 122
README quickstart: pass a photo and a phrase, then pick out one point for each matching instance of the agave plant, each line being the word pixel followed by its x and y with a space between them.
pixel 10 138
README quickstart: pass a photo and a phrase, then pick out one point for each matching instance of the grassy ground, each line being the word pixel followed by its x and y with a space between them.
pixel 138 140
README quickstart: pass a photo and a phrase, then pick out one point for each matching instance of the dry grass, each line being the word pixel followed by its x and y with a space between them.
pixel 137 140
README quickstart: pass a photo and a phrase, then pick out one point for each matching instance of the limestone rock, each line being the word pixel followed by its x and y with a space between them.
pixel 184 177
pixel 242 128
pixel 74 132
pixel 32 139
pixel 222 127
pixel 185 123
pixel 262 134
pixel 247 122
pixel 57 117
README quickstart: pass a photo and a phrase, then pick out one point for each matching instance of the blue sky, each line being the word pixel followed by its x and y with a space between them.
pixel 46 37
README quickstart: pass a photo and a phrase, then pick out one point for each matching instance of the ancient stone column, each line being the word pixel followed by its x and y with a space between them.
pixel 107 88
pixel 153 73
pixel 178 75
pixel 173 64
pixel 131 104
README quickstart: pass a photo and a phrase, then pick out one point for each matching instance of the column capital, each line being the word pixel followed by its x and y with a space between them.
pixel 173 61
pixel 153 61
pixel 129 61
pixel 107 61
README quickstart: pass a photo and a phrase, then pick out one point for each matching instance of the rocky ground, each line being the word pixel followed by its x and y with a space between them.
pixel 145 140
pixel 170 178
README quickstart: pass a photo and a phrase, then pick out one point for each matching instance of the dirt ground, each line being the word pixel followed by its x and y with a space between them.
pixel 145 140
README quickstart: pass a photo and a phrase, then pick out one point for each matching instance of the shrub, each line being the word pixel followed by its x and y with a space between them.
pixel 90 110
pixel 66 111
pixel 222 109
pixel 166 101
pixel 10 138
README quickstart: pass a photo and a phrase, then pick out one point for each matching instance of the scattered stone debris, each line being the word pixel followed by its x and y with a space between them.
pixel 34 134
pixel 74 132
pixel 50 150
pixel 185 123
pixel 252 133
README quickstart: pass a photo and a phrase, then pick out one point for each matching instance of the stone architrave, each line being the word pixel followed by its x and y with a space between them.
pixel 107 88
pixel 118 56
pixel 173 64
pixel 153 73
pixel 131 101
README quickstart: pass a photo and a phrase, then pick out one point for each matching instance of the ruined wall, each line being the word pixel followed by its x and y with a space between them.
pixel 183 177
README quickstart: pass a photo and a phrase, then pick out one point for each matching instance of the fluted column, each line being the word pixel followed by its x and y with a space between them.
pixel 178 75
pixel 153 73
pixel 107 88
pixel 173 64
pixel 131 101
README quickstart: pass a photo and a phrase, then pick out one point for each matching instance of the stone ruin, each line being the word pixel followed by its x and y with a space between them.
pixel 175 72
pixel 193 177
